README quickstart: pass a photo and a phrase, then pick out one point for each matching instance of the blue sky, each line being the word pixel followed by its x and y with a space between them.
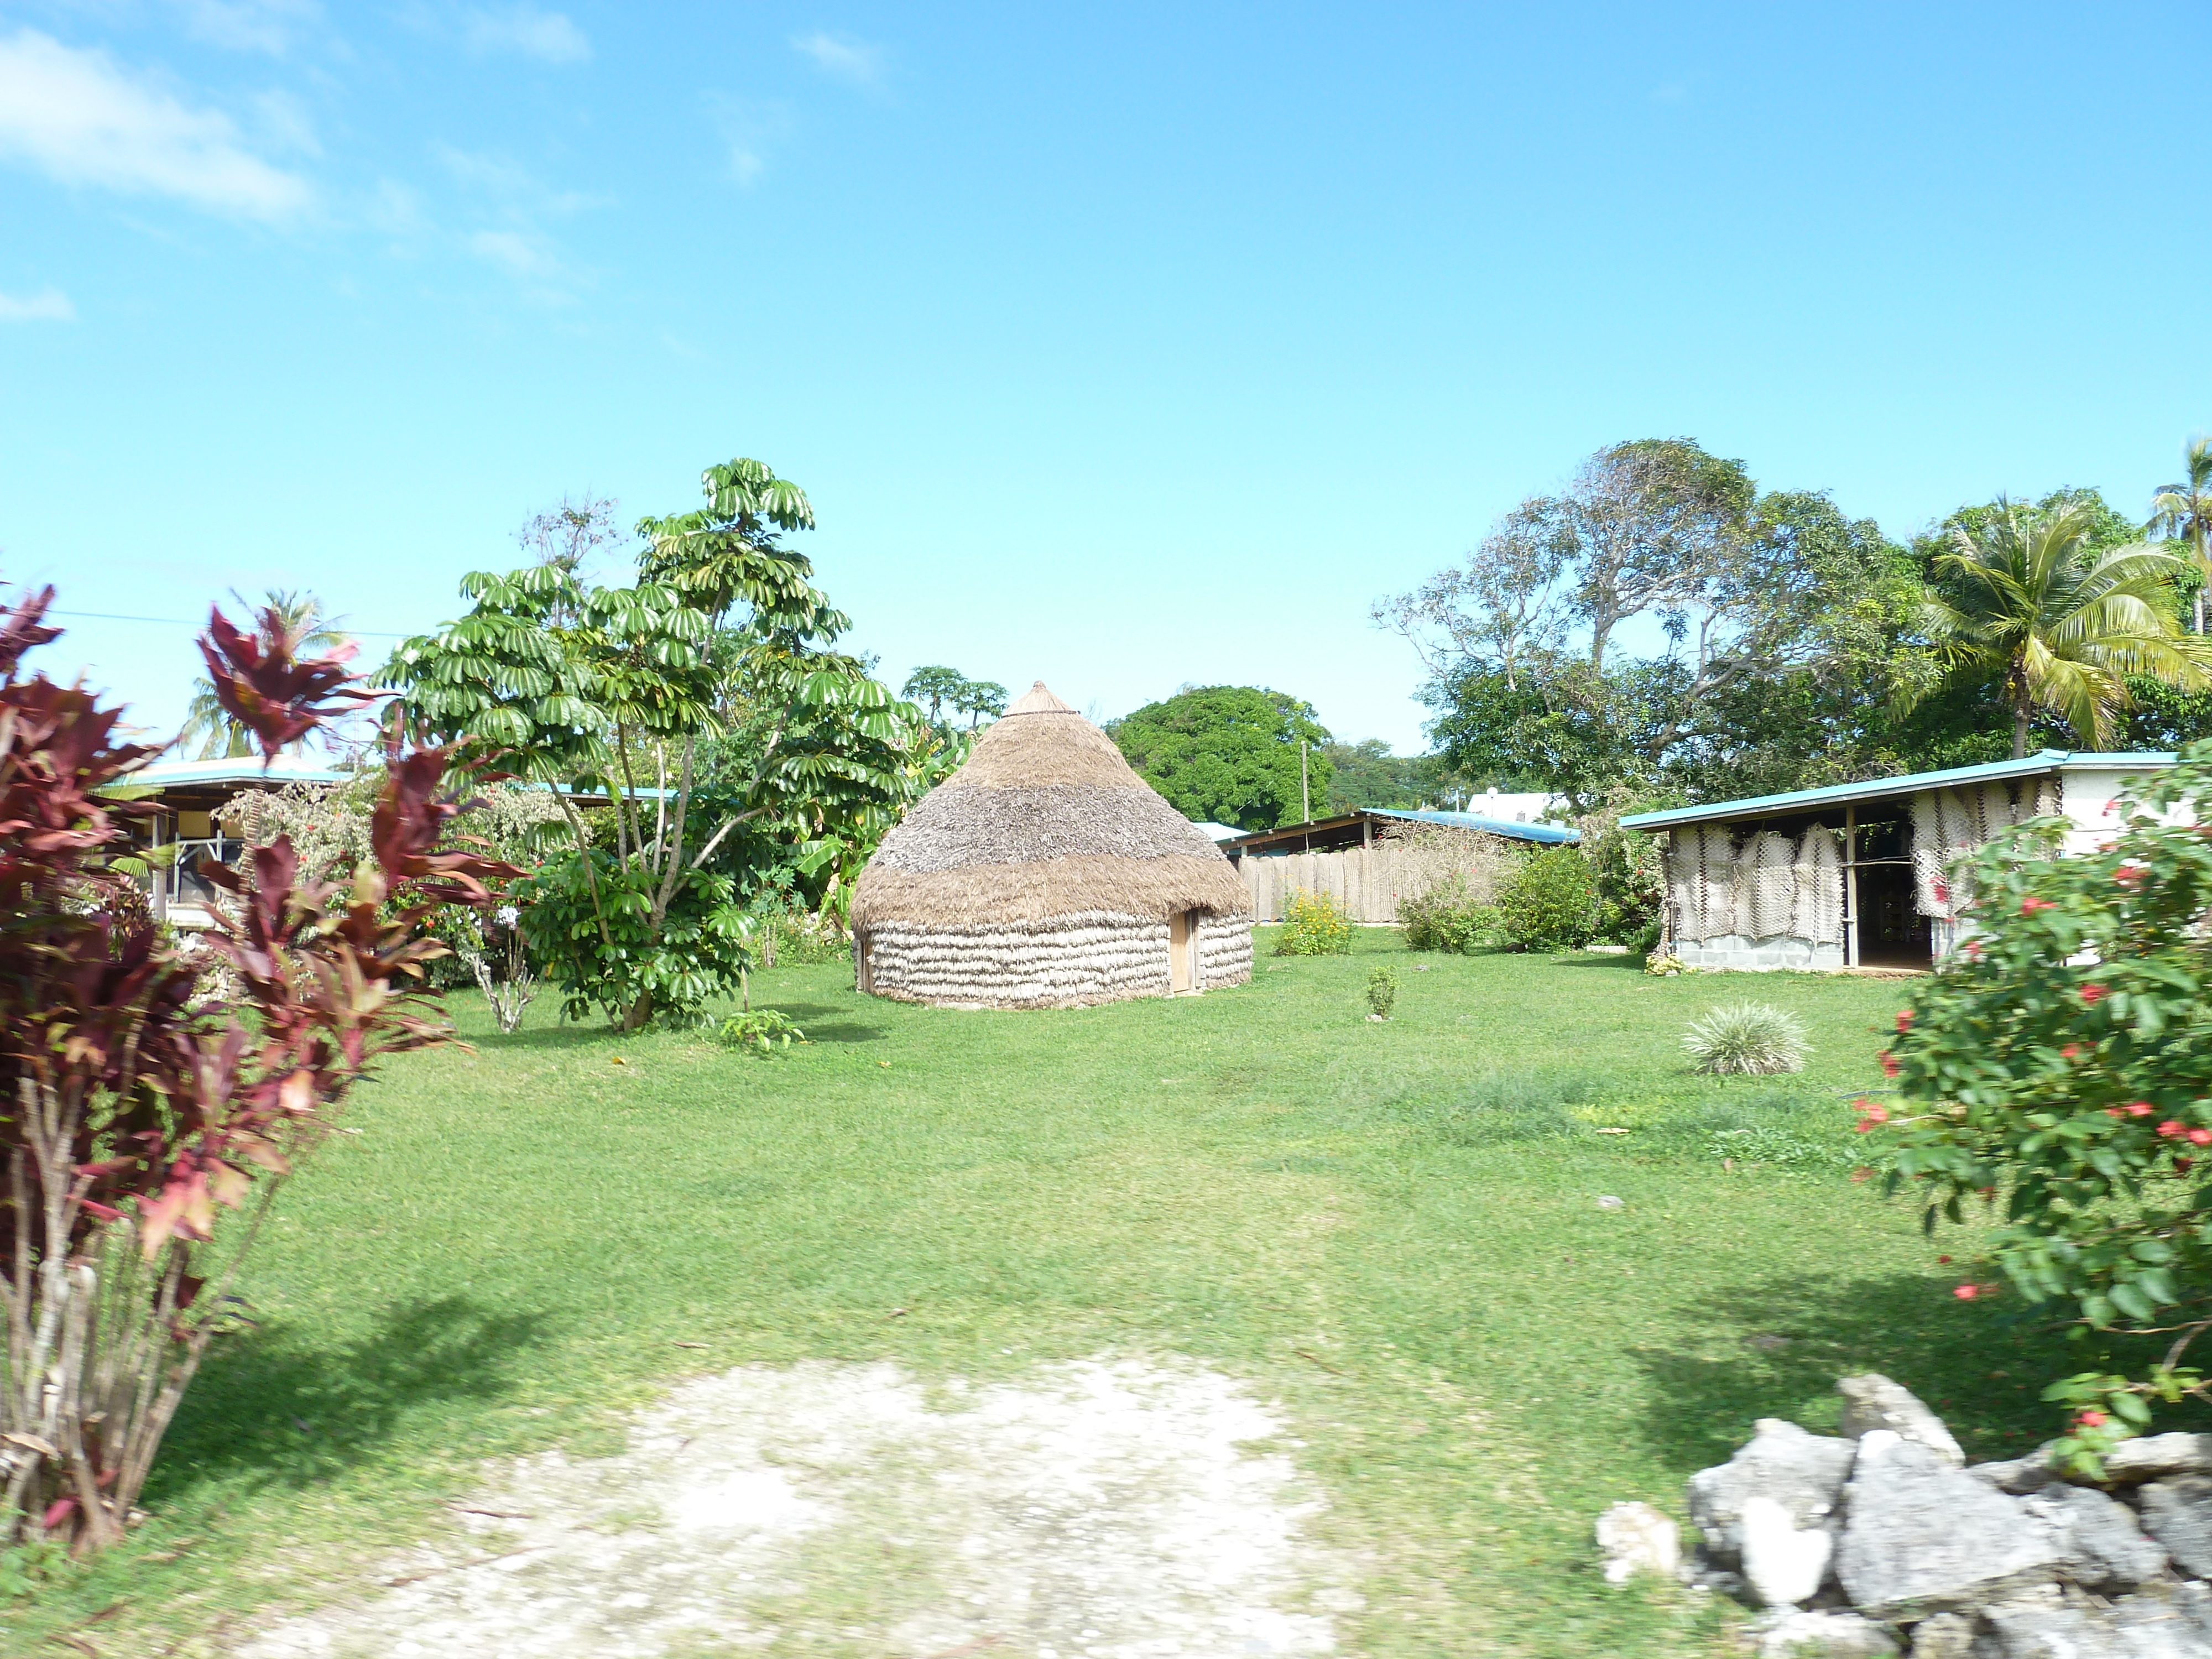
pixel 1124 348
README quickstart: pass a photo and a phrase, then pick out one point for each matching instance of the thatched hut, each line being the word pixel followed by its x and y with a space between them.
pixel 1045 873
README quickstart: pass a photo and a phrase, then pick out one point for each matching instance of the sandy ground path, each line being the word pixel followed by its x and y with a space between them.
pixel 1115 1509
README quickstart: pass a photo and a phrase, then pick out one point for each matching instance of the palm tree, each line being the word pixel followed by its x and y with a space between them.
pixel 2025 596
pixel 2183 512
pixel 312 634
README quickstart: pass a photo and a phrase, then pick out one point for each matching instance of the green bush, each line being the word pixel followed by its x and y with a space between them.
pixel 1550 903
pixel 592 925
pixel 1449 917
pixel 1382 991
pixel 2060 1066
pixel 761 1031
pixel 1315 925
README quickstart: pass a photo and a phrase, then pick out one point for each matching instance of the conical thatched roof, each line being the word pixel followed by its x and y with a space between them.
pixel 1046 819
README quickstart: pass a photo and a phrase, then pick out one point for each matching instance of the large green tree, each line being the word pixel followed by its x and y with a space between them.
pixel 619 691
pixel 2027 598
pixel 1230 754
pixel 1775 617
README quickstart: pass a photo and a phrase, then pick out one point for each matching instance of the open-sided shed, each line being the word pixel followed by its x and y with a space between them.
pixel 1863 875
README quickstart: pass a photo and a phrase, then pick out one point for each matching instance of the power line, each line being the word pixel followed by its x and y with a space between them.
pixel 178 622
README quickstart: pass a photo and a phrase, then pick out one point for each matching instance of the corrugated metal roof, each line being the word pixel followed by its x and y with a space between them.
pixel 238 768
pixel 1835 795
pixel 1552 834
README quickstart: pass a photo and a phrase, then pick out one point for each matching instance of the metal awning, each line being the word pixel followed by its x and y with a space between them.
pixel 1836 794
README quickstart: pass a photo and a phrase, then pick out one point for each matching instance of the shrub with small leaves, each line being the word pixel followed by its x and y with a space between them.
pixel 2059 1068
pixel 1748 1039
pixel 1382 992
pixel 1448 916
pixel 1315 925
pixel 761 1031
pixel 1550 903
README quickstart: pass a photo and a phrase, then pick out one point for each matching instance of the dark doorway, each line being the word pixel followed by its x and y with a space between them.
pixel 1892 933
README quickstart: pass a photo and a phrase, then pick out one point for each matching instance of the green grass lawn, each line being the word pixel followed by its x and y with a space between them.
pixel 1393 1229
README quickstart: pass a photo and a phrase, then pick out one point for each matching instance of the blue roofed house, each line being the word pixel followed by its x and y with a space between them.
pixel 1864 875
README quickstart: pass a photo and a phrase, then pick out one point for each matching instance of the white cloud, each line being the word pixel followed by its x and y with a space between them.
pixel 842 56
pixel 514 186
pixel 750 128
pixel 48 305
pixel 248 25
pixel 512 249
pixel 282 119
pixel 548 36
pixel 77 117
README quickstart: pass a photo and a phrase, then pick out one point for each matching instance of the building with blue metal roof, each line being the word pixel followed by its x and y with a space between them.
pixel 1867 874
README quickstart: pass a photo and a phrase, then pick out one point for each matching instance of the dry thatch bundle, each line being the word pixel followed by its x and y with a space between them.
pixel 1046 873
pixel 1425 856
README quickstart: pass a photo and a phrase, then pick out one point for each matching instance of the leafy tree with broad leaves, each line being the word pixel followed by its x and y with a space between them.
pixel 2028 597
pixel 1229 754
pixel 137 1103
pixel 619 691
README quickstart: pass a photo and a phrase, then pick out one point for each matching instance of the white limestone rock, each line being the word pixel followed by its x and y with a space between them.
pixel 2102 1546
pixel 1782 1564
pixel 1636 1538
pixel 1824 1635
pixel 2178 1514
pixel 2154 1456
pixel 1802 1473
pixel 1921 1537
pixel 1873 1401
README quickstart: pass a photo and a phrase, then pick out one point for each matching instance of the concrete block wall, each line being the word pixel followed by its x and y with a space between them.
pixel 1781 952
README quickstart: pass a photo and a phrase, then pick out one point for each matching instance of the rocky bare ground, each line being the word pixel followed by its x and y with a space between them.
pixel 1883 1540
pixel 1116 1509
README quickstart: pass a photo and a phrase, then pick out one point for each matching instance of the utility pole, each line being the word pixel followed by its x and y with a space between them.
pixel 1305 792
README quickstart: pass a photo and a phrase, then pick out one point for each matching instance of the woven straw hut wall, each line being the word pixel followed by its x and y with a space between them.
pixel 1046 873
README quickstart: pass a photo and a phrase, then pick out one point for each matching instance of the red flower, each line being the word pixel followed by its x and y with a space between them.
pixel 1870 1114
pixel 2200 1137
pixel 2030 904
pixel 1968 1292
pixel 2170 1128
pixel 2093 995
pixel 2114 1111
pixel 2140 1109
pixel 2071 1051
pixel 2092 1420
pixel 1889 1066
pixel 1904 1021
pixel 1972 947
pixel 2130 872
pixel 1942 1261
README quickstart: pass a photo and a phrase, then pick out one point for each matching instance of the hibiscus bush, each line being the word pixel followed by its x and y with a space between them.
pixel 135 1109
pixel 2058 1071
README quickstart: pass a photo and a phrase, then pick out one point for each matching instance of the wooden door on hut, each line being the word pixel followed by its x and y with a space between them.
pixel 1182 952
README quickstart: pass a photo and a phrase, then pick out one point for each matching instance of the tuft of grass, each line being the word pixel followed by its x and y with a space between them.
pixel 1748 1039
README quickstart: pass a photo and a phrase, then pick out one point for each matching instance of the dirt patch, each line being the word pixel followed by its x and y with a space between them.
pixel 1110 1509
